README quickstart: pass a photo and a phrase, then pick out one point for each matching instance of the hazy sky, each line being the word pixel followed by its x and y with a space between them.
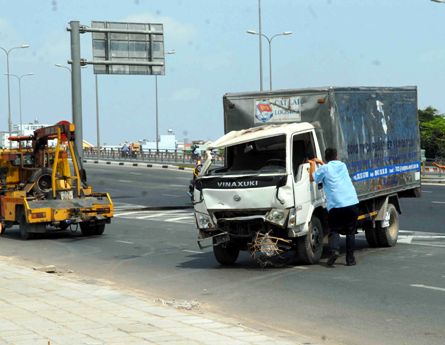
pixel 334 43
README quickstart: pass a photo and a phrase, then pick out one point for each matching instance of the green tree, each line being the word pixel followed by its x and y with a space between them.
pixel 432 132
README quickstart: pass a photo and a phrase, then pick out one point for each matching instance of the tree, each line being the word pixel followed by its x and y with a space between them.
pixel 432 132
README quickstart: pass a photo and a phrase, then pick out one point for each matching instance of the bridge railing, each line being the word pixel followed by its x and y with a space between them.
pixel 160 156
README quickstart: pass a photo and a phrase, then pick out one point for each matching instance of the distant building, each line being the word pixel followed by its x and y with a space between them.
pixel 166 142
pixel 26 129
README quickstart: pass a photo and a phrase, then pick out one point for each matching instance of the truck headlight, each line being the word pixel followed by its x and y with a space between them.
pixel 203 221
pixel 277 216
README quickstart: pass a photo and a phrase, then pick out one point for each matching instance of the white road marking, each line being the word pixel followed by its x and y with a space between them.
pixel 192 251
pixel 405 239
pixel 177 185
pixel 178 218
pixel 438 202
pixel 135 173
pixel 428 287
pixel 171 195
pixel 125 181
pixel 421 237
pixel 427 191
pixel 429 245
pixel 152 215
pixel 126 213
pixel 301 267
pixel 126 242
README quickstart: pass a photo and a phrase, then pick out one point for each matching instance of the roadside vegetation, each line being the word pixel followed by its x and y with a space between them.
pixel 432 133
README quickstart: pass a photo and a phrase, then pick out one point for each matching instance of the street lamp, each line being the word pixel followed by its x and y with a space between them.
pixel 19 78
pixel 62 66
pixel 170 52
pixel 7 51
pixel 69 70
pixel 439 1
pixel 269 39
pixel 97 107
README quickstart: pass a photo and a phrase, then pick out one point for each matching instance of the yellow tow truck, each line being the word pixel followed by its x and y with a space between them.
pixel 43 187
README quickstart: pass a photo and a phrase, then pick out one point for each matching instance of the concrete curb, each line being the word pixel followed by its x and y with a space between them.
pixel 138 164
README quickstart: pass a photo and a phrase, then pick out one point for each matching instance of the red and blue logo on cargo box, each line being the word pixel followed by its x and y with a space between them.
pixel 263 111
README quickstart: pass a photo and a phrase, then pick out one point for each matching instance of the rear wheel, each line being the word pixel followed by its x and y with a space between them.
pixel 225 253
pixel 387 236
pixel 91 229
pixel 27 230
pixel 371 236
pixel 310 247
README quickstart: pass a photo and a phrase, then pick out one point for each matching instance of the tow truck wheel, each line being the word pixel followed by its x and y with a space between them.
pixel 225 253
pixel 310 247
pixel 91 229
pixel 27 231
pixel 387 236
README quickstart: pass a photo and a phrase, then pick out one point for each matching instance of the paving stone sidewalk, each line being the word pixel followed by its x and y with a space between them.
pixel 38 308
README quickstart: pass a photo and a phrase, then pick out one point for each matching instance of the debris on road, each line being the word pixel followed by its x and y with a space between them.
pixel 46 269
pixel 184 305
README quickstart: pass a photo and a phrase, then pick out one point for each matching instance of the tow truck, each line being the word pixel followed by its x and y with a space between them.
pixel 43 186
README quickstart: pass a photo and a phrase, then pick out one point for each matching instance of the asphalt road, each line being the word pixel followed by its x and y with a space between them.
pixel 393 296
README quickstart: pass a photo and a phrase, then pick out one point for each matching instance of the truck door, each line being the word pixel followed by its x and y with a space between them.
pixel 307 196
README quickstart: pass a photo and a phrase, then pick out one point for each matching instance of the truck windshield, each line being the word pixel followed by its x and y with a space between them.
pixel 259 156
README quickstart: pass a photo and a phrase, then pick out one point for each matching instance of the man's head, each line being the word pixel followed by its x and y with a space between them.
pixel 330 154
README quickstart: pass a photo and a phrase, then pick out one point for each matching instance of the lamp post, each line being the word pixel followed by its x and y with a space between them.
pixel 260 45
pixel 97 107
pixel 269 39
pixel 19 78
pixel 170 52
pixel 69 70
pixel 62 66
pixel 7 51
pixel 439 1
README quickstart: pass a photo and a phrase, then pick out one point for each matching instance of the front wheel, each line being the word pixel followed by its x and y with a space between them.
pixel 310 247
pixel 225 253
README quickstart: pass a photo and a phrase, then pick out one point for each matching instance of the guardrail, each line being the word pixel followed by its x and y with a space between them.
pixel 152 156
pixel 428 173
pixel 433 174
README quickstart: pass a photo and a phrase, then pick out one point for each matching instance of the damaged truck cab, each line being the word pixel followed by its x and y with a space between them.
pixel 262 199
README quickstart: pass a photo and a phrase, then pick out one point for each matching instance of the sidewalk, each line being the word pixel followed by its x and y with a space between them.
pixel 39 308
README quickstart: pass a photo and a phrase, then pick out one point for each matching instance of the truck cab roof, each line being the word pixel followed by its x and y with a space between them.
pixel 255 133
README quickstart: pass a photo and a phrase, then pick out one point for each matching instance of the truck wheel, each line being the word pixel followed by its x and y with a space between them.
pixel 91 229
pixel 387 237
pixel 226 253
pixel 310 247
pixel 371 236
pixel 27 231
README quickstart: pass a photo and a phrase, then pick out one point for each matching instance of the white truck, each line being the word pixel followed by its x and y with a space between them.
pixel 262 199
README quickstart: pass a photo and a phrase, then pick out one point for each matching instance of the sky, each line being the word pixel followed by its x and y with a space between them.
pixel 333 43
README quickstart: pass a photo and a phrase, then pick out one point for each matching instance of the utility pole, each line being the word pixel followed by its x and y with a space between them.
pixel 76 87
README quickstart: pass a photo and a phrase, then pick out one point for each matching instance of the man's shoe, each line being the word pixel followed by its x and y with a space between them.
pixel 351 261
pixel 332 259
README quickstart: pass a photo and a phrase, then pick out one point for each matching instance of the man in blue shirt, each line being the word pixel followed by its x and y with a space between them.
pixel 342 203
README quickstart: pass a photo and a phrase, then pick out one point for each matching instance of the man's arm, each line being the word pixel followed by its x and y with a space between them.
pixel 313 166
